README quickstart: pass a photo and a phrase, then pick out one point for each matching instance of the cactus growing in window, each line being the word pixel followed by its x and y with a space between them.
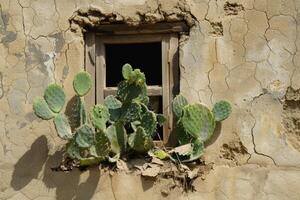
pixel 123 123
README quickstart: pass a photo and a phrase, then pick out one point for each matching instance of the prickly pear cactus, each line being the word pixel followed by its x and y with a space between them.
pixel 111 102
pixel 99 116
pixel 63 127
pixel 221 110
pixel 101 147
pixel 178 104
pixel 41 109
pixel 84 136
pixel 140 141
pixel 198 121
pixel 149 122
pixel 55 97
pixel 196 124
pixel 126 71
pixel 82 83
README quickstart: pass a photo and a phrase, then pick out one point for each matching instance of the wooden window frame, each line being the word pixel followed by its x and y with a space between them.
pixel 95 63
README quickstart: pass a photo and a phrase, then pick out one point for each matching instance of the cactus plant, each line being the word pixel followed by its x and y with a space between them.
pixel 55 97
pixel 177 105
pixel 84 136
pixel 196 124
pixel 140 141
pixel 99 116
pixel 82 83
pixel 221 110
pixel 105 133
pixel 63 127
pixel 41 109
pixel 198 121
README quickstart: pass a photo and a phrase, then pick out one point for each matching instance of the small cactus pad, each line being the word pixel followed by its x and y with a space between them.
pixel 82 83
pixel 197 151
pixel 85 136
pixel 198 121
pixel 112 102
pixel 177 105
pixel 140 141
pixel 89 161
pixel 101 147
pixel 127 92
pixel 221 110
pixel 160 119
pixel 73 150
pixel 41 109
pixel 182 136
pixel 111 133
pixel 99 116
pixel 55 97
pixel 132 112
pixel 149 123
pixel 63 127
pixel 126 71
pixel 158 153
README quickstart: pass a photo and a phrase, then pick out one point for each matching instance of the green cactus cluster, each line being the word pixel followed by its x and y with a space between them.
pixel 196 123
pixel 122 123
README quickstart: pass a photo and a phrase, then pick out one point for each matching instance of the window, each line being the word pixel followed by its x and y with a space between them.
pixel 152 48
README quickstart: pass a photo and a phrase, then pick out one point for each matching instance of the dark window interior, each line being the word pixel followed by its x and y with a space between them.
pixel 145 56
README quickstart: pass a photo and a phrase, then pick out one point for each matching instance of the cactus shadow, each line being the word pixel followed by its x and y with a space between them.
pixel 215 135
pixel 68 185
pixel 30 164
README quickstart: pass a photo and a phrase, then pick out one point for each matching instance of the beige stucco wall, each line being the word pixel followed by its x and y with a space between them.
pixel 247 53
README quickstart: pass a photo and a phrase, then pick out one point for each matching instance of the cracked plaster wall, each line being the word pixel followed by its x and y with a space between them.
pixel 245 51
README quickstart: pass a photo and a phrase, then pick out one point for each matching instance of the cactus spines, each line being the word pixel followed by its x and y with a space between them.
pixel 198 121
pixel 177 105
pixel 99 116
pixel 221 110
pixel 41 109
pixel 148 122
pixel 82 83
pixel 63 127
pixel 84 136
pixel 101 147
pixel 126 71
pixel 55 97
pixel 140 141
pixel 111 102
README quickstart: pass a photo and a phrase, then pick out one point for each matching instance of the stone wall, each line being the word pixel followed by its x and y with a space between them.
pixel 245 51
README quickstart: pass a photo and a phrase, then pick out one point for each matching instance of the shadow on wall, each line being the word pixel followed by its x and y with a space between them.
pixel 67 185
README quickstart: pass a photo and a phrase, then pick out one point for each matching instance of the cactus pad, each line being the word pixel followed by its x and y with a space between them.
pixel 112 102
pixel 73 150
pixel 221 110
pixel 182 136
pixel 140 141
pixel 198 121
pixel 82 83
pixel 41 109
pixel 149 123
pixel 127 92
pixel 55 97
pixel 101 148
pixel 132 112
pixel 99 116
pixel 177 105
pixel 63 127
pixel 126 71
pixel 197 151
pixel 85 136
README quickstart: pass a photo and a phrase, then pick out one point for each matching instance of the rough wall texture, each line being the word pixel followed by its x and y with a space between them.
pixel 245 51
